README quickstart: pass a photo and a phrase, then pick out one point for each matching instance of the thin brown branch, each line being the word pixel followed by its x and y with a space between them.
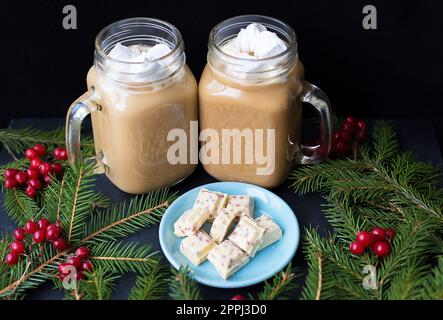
pixel 120 259
pixel 60 199
pixel 320 275
pixel 119 222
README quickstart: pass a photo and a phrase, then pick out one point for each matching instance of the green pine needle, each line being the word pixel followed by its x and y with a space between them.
pixel 150 286
pixel 182 286
pixel 97 285
pixel 19 207
pixel 282 285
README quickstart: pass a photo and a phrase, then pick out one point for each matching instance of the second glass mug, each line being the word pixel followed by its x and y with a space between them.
pixel 243 94
pixel 131 118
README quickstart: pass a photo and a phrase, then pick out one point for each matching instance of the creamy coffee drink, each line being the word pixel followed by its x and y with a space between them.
pixel 139 89
pixel 254 81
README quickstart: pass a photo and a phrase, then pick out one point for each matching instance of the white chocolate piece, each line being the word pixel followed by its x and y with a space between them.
pixel 227 258
pixel 211 200
pixel 190 222
pixel 247 235
pixel 244 203
pixel 223 223
pixel 197 246
pixel 273 232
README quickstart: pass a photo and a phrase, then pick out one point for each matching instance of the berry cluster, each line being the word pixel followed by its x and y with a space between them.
pixel 79 262
pixel 351 131
pixel 39 232
pixel 239 297
pixel 378 238
pixel 39 173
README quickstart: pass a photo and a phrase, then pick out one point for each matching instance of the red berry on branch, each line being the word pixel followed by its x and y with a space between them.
pixel 361 125
pixel 60 154
pixel 378 234
pixel 239 297
pixel 31 227
pixel 361 136
pixel 10 183
pixel 20 177
pixel 10 173
pixel 53 232
pixel 31 192
pixel 346 136
pixel 19 234
pixel 11 259
pixel 32 173
pixel 41 149
pixel 390 234
pixel 356 248
pixel 65 268
pixel 365 238
pixel 45 168
pixel 75 261
pixel 350 120
pixel 381 248
pixel 35 183
pixel 82 252
pixel 79 276
pixel 87 266
pixel 47 180
pixel 336 136
pixel 31 154
pixel 35 163
pixel 342 148
pixel 60 244
pixel 57 168
pixel 43 223
pixel 17 247
pixel 39 236
pixel 346 126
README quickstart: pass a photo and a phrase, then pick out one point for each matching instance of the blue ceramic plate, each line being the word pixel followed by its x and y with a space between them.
pixel 266 262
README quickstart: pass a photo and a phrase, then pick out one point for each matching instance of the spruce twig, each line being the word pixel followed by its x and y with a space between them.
pixel 182 286
pixel 281 285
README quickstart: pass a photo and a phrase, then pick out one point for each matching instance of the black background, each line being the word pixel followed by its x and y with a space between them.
pixel 392 72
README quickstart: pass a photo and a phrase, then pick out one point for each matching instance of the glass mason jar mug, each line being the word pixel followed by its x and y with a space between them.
pixel 133 106
pixel 253 108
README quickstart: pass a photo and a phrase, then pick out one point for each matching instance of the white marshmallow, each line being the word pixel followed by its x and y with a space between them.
pixel 267 44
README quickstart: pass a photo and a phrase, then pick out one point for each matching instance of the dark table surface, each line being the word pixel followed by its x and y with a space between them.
pixel 415 135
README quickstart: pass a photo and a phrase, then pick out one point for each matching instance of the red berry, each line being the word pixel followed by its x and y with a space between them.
pixel 32 173
pixel 356 248
pixel 57 168
pixel 20 177
pixel 346 126
pixel 239 297
pixel 60 244
pixel 60 154
pixel 10 173
pixel 35 183
pixel 365 238
pixel 39 236
pixel 47 180
pixel 31 154
pixel 17 247
pixel 10 183
pixel 336 136
pixel 43 223
pixel 31 227
pixel 346 136
pixel 41 149
pixel 390 234
pixel 19 234
pixel 87 266
pixel 31 192
pixel 82 252
pixel 361 125
pixel 79 276
pixel 53 232
pixel 381 248
pixel 65 268
pixel 45 168
pixel 35 163
pixel 350 120
pixel 361 136
pixel 342 148
pixel 11 259
pixel 378 234
pixel 75 261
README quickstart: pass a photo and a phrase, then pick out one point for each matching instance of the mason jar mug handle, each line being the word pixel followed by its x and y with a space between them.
pixel 82 107
pixel 319 100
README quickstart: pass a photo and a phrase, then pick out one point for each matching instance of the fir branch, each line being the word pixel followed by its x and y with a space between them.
pixel 16 141
pixel 282 284
pixel 119 258
pixel 385 143
pixel 98 285
pixel 128 217
pixel 19 206
pixel 433 284
pixel 182 286
pixel 150 286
